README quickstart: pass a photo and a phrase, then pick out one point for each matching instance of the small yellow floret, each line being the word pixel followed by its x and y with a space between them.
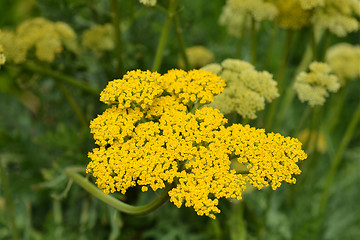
pixel 136 88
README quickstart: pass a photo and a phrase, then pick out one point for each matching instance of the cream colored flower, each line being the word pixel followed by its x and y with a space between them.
pixel 99 38
pixel 198 56
pixel 313 87
pixel 344 60
pixel 246 90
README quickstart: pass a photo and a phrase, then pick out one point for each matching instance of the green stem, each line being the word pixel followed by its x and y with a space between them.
pixel 279 77
pixel 79 113
pixel 115 203
pixel 61 77
pixel 325 44
pixel 336 107
pixel 253 41
pixel 337 159
pixel 164 34
pixel 240 42
pixel 313 44
pixel 117 36
pixel 290 92
pixel 8 201
pixel 179 36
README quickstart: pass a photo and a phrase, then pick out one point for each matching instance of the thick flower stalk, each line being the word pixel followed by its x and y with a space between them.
pixel 47 37
pixel 158 132
pixel 313 87
pixel 247 89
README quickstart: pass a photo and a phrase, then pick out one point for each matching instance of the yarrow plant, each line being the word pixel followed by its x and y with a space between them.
pixel 157 132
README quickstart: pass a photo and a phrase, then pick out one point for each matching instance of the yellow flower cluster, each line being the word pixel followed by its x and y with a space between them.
pixel 235 11
pixel 313 87
pixel 338 16
pixel 247 89
pixel 344 60
pixel 148 2
pixel 198 56
pixel 45 36
pixel 193 85
pixel 99 38
pixel 291 14
pixel 136 88
pixel 166 143
pixel 2 56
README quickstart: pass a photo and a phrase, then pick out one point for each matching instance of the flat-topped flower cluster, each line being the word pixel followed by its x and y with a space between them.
pixel 158 132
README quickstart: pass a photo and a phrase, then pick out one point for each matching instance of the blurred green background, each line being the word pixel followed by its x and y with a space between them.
pixel 40 136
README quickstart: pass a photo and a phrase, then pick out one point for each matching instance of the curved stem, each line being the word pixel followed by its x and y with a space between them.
pixel 61 77
pixel 117 36
pixel 337 159
pixel 164 34
pixel 115 203
pixel 179 36
pixel 313 44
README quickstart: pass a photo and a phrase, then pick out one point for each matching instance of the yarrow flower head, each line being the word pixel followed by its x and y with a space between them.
pixel 47 37
pixel 247 89
pixel 235 11
pixel 338 16
pixel 311 4
pixel 167 141
pixel 99 38
pixel 313 87
pixel 344 60
pixel 291 15
pixel 198 56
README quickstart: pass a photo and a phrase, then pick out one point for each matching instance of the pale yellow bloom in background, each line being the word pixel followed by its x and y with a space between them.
pixel 338 16
pixel 47 37
pixel 310 4
pixel 99 38
pixel 344 60
pixel 291 14
pixel 246 90
pixel 235 11
pixel 313 87
pixel 2 56
pixel 148 2
pixel 198 56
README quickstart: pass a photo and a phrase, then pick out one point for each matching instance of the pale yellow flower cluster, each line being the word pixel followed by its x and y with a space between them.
pixel 247 89
pixel 338 16
pixel 47 37
pixel 344 60
pixel 291 14
pixel 148 2
pixel 99 38
pixel 235 11
pixel 310 4
pixel 313 87
pixel 2 56
pixel 198 56
pixel 153 139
